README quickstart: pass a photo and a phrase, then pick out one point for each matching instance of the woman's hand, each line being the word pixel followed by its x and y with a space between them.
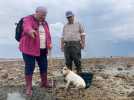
pixel 49 46
pixel 33 33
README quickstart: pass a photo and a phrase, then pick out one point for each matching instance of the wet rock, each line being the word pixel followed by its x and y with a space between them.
pixel 131 94
pixel 14 96
pixel 120 69
pixel 4 74
pixel 132 84
pixel 0 68
pixel 105 76
pixel 11 78
pixel 100 67
pixel 129 66
pixel 99 78
pixel 122 76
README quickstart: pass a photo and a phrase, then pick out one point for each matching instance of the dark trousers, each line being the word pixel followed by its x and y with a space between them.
pixel 72 52
pixel 30 62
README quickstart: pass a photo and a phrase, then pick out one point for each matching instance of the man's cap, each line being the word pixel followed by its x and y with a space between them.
pixel 69 14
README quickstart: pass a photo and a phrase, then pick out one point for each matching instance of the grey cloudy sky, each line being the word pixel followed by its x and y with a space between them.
pixel 108 23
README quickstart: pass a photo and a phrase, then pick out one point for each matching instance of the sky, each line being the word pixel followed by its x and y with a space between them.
pixel 109 25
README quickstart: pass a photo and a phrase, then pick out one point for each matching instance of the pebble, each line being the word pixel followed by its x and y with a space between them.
pixel 4 74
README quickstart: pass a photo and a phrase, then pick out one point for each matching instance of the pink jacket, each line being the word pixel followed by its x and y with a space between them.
pixel 27 44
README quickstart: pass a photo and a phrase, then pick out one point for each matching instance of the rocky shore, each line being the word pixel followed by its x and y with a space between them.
pixel 113 80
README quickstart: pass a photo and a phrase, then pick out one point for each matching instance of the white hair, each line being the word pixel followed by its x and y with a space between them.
pixel 41 9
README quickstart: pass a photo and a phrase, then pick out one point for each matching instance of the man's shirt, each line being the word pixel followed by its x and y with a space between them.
pixel 73 32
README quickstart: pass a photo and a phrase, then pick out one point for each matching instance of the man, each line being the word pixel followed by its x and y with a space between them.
pixel 72 41
pixel 34 43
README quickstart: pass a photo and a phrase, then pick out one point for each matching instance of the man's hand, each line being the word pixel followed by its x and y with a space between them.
pixel 82 42
pixel 62 49
pixel 82 45
pixel 62 45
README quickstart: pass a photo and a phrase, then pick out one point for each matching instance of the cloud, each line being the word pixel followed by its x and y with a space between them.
pixel 113 18
pixel 125 32
pixel 12 11
pixel 65 5
pixel 105 21
pixel 123 5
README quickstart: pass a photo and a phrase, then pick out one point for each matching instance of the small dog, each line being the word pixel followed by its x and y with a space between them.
pixel 73 78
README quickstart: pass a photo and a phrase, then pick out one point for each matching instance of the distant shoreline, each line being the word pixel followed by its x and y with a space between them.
pixel 93 59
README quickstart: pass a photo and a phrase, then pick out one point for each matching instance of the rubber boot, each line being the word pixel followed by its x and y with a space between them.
pixel 44 81
pixel 28 79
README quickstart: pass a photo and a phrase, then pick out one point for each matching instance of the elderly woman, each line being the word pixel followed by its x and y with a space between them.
pixel 34 44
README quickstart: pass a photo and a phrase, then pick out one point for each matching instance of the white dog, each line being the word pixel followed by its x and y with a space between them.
pixel 73 78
